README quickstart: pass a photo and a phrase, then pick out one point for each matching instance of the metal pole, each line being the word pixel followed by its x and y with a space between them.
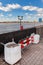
pixel 20 22
pixel 20 18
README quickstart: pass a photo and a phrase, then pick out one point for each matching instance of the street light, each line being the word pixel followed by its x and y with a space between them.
pixel 20 18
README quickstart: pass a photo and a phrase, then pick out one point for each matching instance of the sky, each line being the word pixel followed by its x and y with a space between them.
pixel 31 10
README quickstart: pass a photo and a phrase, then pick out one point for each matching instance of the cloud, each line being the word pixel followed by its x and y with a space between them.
pixel 40 10
pixel 9 15
pixel 32 17
pixel 39 15
pixel 33 8
pixel 28 16
pixel 9 7
pixel 42 1
pixel 1 15
pixel 0 3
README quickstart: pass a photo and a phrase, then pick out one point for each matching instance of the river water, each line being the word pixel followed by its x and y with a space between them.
pixel 10 27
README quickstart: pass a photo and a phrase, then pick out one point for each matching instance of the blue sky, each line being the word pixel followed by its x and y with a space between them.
pixel 31 10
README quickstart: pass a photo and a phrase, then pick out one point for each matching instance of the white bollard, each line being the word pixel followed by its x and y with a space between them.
pixel 12 54
pixel 36 38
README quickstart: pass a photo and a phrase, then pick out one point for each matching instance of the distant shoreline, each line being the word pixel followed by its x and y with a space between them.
pixel 19 22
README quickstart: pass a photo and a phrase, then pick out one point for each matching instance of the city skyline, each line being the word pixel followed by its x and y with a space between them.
pixel 30 10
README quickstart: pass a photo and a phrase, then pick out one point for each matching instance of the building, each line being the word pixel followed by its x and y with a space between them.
pixel 40 19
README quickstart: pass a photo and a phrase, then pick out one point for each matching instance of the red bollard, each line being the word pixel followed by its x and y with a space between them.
pixel 21 42
pixel 27 41
pixel 21 27
pixel 32 39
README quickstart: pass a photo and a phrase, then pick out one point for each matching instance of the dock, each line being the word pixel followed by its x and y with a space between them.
pixel 32 55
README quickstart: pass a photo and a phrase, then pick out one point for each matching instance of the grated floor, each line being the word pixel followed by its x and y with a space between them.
pixel 32 55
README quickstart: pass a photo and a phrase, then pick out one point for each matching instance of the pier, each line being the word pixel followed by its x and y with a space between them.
pixel 9 31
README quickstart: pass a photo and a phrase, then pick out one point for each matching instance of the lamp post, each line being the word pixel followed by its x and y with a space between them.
pixel 20 18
